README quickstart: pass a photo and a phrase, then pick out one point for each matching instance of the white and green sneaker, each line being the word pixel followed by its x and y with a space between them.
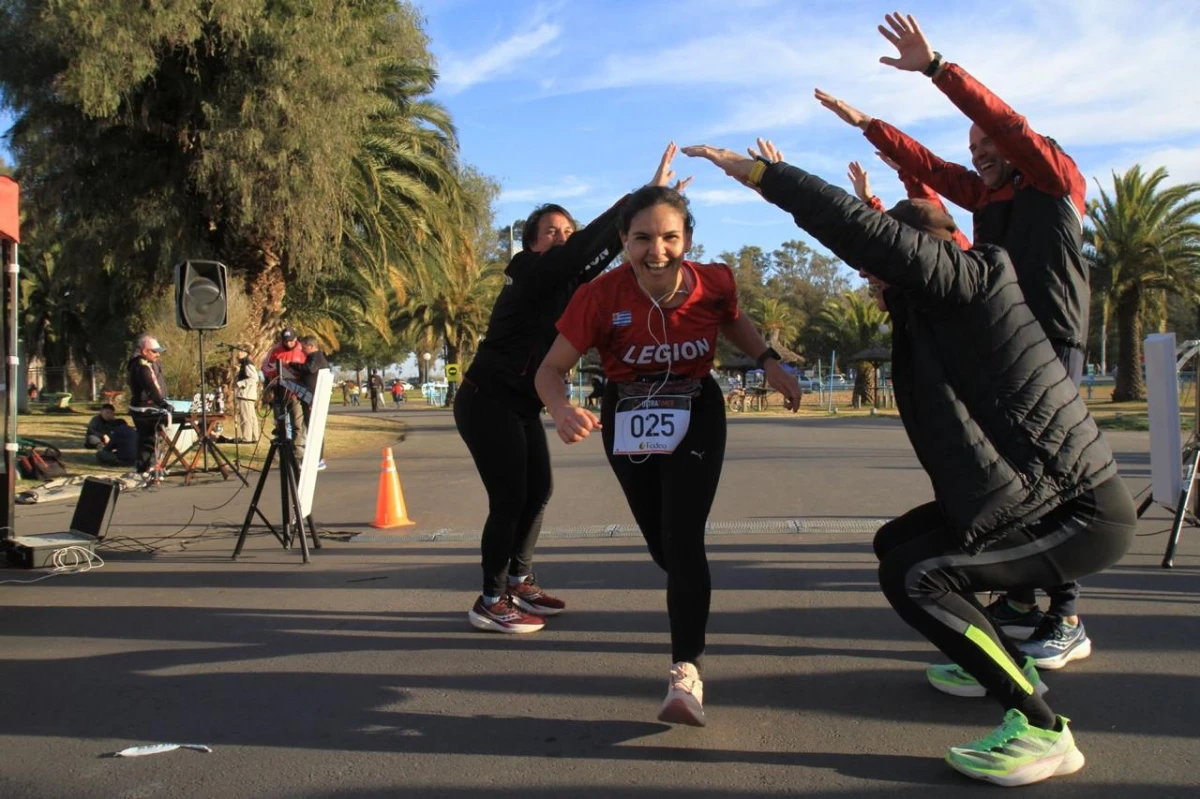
pixel 953 679
pixel 1017 753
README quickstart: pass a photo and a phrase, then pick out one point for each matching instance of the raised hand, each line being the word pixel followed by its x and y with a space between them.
pixel 766 150
pixel 736 165
pixel 915 54
pixel 664 174
pixel 847 113
pixel 858 179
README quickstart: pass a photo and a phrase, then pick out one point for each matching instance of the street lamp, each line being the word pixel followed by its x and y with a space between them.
pixel 427 356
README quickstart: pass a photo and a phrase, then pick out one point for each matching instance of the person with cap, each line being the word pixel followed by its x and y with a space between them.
pixel 147 396
pixel 375 386
pixel 289 355
pixel 245 397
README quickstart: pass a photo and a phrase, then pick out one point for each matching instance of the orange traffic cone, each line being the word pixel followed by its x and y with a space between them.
pixel 389 508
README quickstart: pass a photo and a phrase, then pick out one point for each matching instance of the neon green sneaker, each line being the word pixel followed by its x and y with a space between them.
pixel 953 679
pixel 1016 753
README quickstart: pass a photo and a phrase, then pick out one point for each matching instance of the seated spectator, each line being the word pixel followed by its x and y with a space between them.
pixel 100 429
pixel 121 447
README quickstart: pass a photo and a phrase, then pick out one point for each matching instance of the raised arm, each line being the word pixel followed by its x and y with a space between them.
pixel 956 182
pixel 929 269
pixel 1041 162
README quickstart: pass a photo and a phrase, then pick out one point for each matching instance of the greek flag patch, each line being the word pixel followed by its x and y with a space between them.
pixel 622 318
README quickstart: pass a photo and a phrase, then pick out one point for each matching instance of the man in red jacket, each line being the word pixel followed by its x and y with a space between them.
pixel 1026 196
pixel 289 352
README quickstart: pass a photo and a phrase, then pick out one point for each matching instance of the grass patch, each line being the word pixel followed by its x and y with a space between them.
pixel 344 435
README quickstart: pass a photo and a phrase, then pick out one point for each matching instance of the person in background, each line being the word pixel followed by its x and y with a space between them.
pixel 314 362
pixel 375 386
pixel 397 392
pixel 289 356
pixel 100 428
pixel 147 396
pixel 245 398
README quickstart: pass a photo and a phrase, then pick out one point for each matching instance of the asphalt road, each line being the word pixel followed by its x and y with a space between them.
pixel 357 675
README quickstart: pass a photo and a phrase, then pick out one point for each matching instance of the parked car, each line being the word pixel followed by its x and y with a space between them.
pixel 827 383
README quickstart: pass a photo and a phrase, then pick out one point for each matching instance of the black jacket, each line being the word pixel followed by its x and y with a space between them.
pixel 147 387
pixel 537 288
pixel 994 419
pixel 1037 217
pixel 315 362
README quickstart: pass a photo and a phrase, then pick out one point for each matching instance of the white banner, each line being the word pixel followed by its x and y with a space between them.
pixel 316 436
pixel 1162 394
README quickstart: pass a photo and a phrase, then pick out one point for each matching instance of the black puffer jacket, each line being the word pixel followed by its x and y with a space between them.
pixel 537 288
pixel 990 411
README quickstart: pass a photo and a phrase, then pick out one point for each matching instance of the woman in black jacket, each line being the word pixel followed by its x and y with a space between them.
pixel 498 412
pixel 1026 489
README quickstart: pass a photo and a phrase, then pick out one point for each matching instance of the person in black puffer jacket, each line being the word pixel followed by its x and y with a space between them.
pixel 1026 490
pixel 498 413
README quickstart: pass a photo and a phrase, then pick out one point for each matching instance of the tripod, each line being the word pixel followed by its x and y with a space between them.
pixel 204 442
pixel 294 521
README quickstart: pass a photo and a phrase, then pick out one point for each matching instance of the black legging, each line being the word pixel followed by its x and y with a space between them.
pixel 1064 598
pixel 514 463
pixel 932 583
pixel 670 496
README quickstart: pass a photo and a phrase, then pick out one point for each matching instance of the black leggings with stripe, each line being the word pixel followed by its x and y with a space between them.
pixel 670 497
pixel 932 583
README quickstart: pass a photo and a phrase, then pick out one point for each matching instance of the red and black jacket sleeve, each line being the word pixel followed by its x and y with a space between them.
pixel 1041 162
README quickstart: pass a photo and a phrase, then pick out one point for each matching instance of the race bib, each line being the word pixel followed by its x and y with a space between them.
pixel 651 425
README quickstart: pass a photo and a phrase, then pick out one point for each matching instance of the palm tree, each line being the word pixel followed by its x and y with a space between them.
pixel 780 325
pixel 1143 239
pixel 854 323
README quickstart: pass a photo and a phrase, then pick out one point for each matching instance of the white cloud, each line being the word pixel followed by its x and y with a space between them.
pixel 458 74
pixel 569 187
pixel 734 196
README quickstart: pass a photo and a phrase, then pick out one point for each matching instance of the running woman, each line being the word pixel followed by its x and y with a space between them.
pixel 497 410
pixel 655 321
pixel 1026 490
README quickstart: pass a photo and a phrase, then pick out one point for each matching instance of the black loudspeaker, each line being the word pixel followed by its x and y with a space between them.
pixel 200 295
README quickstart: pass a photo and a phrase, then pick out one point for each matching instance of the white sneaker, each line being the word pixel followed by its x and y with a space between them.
pixel 685 697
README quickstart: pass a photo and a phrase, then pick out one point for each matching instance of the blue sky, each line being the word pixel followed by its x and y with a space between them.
pixel 573 102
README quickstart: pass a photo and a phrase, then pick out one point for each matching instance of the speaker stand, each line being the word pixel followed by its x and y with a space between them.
pixel 205 442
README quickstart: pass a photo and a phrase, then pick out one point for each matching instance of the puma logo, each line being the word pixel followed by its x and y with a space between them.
pixel 699 455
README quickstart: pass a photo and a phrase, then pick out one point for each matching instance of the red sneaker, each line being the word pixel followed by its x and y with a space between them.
pixel 502 617
pixel 529 597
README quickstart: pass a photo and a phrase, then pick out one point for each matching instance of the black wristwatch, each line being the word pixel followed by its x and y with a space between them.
pixel 770 353
pixel 934 65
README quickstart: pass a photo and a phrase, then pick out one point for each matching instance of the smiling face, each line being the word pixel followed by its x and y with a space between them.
pixel 656 242
pixel 553 229
pixel 988 162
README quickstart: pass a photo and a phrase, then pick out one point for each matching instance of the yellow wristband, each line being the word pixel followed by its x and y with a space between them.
pixel 756 171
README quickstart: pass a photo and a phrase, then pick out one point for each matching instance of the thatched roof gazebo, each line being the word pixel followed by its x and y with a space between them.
pixel 877 357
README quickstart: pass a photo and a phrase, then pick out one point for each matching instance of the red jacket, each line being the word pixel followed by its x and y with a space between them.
pixel 281 353
pixel 1037 217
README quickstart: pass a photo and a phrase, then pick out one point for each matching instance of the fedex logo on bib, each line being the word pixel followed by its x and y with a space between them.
pixel 666 353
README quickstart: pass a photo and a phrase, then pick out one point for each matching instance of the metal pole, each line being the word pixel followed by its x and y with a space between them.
pixel 8 254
